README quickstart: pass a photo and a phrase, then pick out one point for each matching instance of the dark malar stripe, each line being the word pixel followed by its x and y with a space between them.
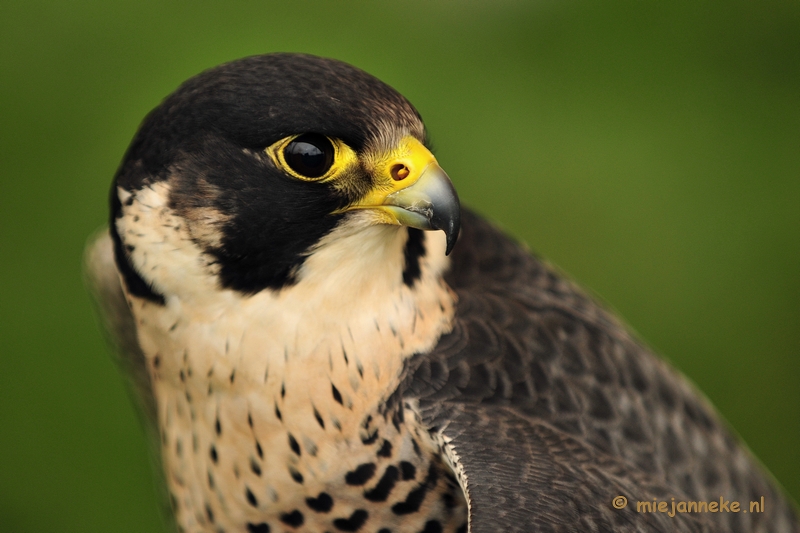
pixel 414 250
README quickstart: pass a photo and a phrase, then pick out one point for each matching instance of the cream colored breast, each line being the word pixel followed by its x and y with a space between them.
pixel 263 399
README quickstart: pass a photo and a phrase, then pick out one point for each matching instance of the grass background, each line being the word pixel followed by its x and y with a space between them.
pixel 652 151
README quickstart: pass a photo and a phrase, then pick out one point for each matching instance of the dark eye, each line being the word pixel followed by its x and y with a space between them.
pixel 310 155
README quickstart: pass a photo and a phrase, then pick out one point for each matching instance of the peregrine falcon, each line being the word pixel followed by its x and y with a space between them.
pixel 277 277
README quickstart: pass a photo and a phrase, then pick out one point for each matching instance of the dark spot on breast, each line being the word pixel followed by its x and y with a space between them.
pixel 249 420
pixel 311 448
pixel 336 394
pixel 353 523
pixel 398 416
pixel 233 375
pixel 259 451
pixel 278 413
pixel 182 375
pixel 386 449
pixel 255 467
pixel 209 514
pixel 415 498
pixel 156 361
pixel 384 487
pixel 293 445
pixel 210 480
pixel 297 476
pixel 322 503
pixel 448 500
pixel 407 470
pixel 318 416
pixel 432 526
pixel 369 438
pixel 294 519
pixel 416 447
pixel 218 427
pixel 213 453
pixel 361 474
pixel 251 498
pixel 283 390
pixel 257 528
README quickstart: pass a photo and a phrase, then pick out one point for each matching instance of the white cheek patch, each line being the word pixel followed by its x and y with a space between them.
pixel 160 245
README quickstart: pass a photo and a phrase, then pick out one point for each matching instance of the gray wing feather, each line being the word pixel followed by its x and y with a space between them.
pixel 553 409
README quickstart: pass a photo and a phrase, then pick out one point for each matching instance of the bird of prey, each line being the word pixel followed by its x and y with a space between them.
pixel 278 279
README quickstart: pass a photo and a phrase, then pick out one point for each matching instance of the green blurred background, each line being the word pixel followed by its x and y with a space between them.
pixel 651 151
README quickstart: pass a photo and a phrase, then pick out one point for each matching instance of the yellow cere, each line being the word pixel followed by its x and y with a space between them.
pixel 409 153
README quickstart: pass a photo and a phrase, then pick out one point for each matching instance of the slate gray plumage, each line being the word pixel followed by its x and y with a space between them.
pixel 554 409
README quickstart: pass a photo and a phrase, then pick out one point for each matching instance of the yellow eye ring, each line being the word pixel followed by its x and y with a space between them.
pixel 311 156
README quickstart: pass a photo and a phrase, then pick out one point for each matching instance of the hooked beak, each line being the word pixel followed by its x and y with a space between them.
pixel 416 193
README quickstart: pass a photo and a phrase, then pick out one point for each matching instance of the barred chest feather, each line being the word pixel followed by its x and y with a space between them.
pixel 276 411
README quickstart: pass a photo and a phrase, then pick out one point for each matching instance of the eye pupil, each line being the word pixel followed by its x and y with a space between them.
pixel 310 155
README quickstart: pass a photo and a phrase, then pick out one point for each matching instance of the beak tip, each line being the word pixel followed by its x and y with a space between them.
pixel 451 234
pixel 447 215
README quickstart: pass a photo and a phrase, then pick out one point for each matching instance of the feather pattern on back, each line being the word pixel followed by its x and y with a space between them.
pixel 553 409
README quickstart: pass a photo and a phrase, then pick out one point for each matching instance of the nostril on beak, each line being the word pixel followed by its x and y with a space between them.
pixel 399 172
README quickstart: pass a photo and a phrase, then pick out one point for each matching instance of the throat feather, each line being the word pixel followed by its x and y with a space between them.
pixel 273 390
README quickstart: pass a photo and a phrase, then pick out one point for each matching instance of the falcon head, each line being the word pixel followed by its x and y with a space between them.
pixel 250 169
